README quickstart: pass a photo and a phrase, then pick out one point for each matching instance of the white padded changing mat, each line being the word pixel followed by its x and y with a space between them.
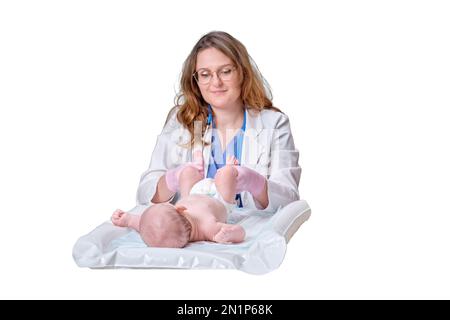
pixel 263 250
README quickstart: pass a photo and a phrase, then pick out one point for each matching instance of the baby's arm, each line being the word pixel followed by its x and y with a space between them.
pixel 123 219
pixel 229 233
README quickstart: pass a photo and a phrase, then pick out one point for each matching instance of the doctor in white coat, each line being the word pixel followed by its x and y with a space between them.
pixel 219 79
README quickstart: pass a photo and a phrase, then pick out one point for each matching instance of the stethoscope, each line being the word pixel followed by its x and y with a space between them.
pixel 237 152
pixel 208 120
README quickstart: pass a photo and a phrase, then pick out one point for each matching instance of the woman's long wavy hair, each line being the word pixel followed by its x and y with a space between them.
pixel 255 91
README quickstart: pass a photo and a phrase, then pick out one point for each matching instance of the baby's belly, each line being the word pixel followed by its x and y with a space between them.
pixel 204 207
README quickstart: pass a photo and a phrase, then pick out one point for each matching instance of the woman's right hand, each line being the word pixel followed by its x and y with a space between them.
pixel 173 175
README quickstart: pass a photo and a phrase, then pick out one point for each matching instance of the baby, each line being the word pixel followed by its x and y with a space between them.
pixel 199 215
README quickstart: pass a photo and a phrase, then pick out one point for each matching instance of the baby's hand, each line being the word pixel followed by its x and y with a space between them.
pixel 120 218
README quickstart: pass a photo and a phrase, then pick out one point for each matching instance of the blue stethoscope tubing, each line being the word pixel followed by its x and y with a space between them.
pixel 237 150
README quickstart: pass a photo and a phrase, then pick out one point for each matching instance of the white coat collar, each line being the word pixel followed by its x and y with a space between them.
pixel 251 149
pixel 254 121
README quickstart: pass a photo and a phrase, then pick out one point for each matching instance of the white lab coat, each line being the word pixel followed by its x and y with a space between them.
pixel 268 147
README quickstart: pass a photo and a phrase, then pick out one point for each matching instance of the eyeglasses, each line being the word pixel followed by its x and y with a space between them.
pixel 204 76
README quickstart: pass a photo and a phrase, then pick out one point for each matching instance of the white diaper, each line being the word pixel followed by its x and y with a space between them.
pixel 208 187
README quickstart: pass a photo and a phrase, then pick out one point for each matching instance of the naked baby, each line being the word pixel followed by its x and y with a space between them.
pixel 199 215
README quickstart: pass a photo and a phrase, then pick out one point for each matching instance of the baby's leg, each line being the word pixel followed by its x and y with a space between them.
pixel 122 219
pixel 229 233
pixel 225 181
pixel 188 177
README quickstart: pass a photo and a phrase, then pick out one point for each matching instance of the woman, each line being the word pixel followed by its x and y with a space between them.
pixel 220 80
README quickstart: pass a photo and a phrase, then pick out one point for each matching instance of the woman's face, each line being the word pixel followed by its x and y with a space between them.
pixel 218 92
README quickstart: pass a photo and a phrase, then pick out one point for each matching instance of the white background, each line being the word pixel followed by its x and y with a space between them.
pixel 85 87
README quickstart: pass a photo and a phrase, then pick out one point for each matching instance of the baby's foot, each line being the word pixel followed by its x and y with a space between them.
pixel 232 160
pixel 198 158
pixel 120 218
pixel 230 234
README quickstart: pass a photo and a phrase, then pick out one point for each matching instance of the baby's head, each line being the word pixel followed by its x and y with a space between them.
pixel 163 225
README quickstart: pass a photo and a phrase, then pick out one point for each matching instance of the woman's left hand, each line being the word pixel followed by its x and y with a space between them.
pixel 250 180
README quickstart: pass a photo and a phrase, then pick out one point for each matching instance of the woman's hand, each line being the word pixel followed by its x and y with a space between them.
pixel 173 175
pixel 250 180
